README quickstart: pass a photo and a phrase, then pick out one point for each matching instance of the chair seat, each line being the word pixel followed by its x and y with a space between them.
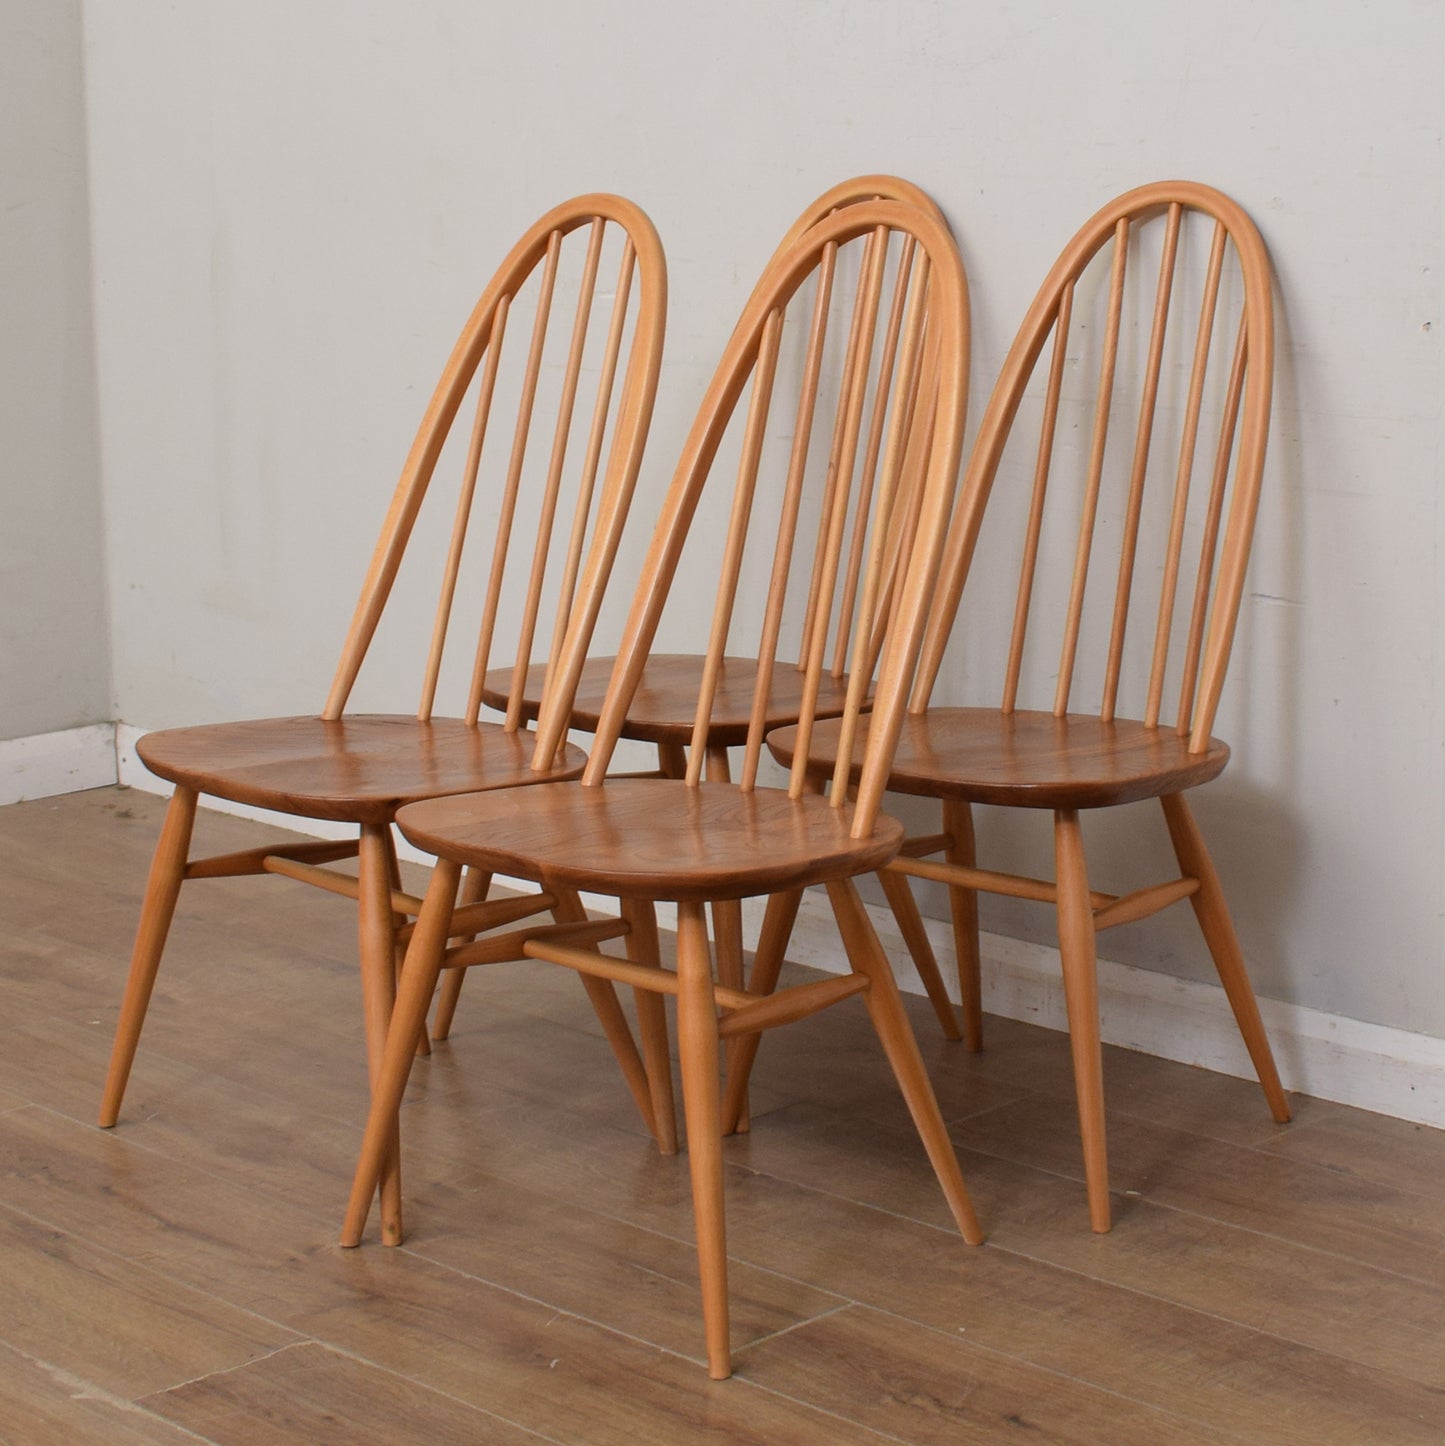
pixel 652 838
pixel 665 705
pixel 1028 759
pixel 357 769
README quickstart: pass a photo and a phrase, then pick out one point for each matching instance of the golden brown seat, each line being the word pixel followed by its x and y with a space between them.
pixel 1030 759
pixel 1145 344
pixel 573 428
pixel 694 842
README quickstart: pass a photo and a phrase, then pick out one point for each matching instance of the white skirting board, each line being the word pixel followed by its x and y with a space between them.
pixel 47 764
pixel 1392 1071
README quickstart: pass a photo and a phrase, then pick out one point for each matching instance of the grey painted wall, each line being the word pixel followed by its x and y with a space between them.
pixel 54 635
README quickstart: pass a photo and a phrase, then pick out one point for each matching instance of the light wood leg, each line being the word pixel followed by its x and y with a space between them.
pixel 727 926
pixel 885 1007
pixel 910 924
pixel 378 994
pixel 672 760
pixel 163 886
pixel 642 947
pixel 398 921
pixel 605 1005
pixel 963 907
pixel 777 929
pixel 697 1039
pixel 418 983
pixel 1081 994
pixel 475 885
pixel 1213 915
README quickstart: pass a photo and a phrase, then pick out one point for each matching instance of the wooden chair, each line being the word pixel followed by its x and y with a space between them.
pixel 663 706
pixel 1197 331
pixel 575 324
pixel 690 840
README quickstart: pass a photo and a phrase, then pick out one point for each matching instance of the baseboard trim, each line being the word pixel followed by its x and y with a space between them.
pixel 1374 1067
pixel 46 764
pixel 1392 1071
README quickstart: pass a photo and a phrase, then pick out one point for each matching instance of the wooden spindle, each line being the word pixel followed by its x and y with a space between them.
pixel 842 464
pixel 818 611
pixel 464 508
pixel 1143 437
pixel 514 473
pixel 1210 541
pixel 1184 478
pixel 788 520
pixel 867 478
pixel 587 484
pixel 894 459
pixel 1042 467
pixel 754 434
pixel 1096 470
pixel 566 408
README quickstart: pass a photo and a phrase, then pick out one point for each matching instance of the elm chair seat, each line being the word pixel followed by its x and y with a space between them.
pixel 359 768
pixel 644 838
pixel 664 707
pixel 1027 759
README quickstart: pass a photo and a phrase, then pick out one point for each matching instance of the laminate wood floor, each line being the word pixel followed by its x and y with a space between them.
pixel 177 1279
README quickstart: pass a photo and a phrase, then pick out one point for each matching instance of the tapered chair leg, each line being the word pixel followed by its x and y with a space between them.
pixel 963 907
pixel 1218 929
pixel 742 1050
pixel 697 1038
pixel 376 938
pixel 910 924
pixel 642 948
pixel 475 885
pixel 163 886
pixel 398 921
pixel 885 1008
pixel 418 983
pixel 1081 995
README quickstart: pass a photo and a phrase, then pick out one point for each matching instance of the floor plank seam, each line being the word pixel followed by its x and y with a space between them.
pixel 148 1266
pixel 1186 1306
pixel 92 1391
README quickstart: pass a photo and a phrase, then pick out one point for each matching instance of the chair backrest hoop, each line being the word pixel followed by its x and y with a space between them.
pixel 1250 392
pixel 750 350
pixel 630 417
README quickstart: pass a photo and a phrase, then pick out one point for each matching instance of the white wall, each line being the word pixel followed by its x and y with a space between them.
pixel 294 205
pixel 54 641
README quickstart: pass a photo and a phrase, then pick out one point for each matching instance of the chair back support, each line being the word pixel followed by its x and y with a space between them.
pixel 585 293
pixel 1146 432
pixel 868 457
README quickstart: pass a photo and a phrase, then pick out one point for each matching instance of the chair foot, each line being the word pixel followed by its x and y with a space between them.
pixel 163 886
pixel 885 1008
pixel 1218 930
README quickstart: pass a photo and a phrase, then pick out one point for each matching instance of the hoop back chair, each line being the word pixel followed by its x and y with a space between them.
pixel 1187 351
pixel 695 840
pixel 578 373
pixel 662 711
